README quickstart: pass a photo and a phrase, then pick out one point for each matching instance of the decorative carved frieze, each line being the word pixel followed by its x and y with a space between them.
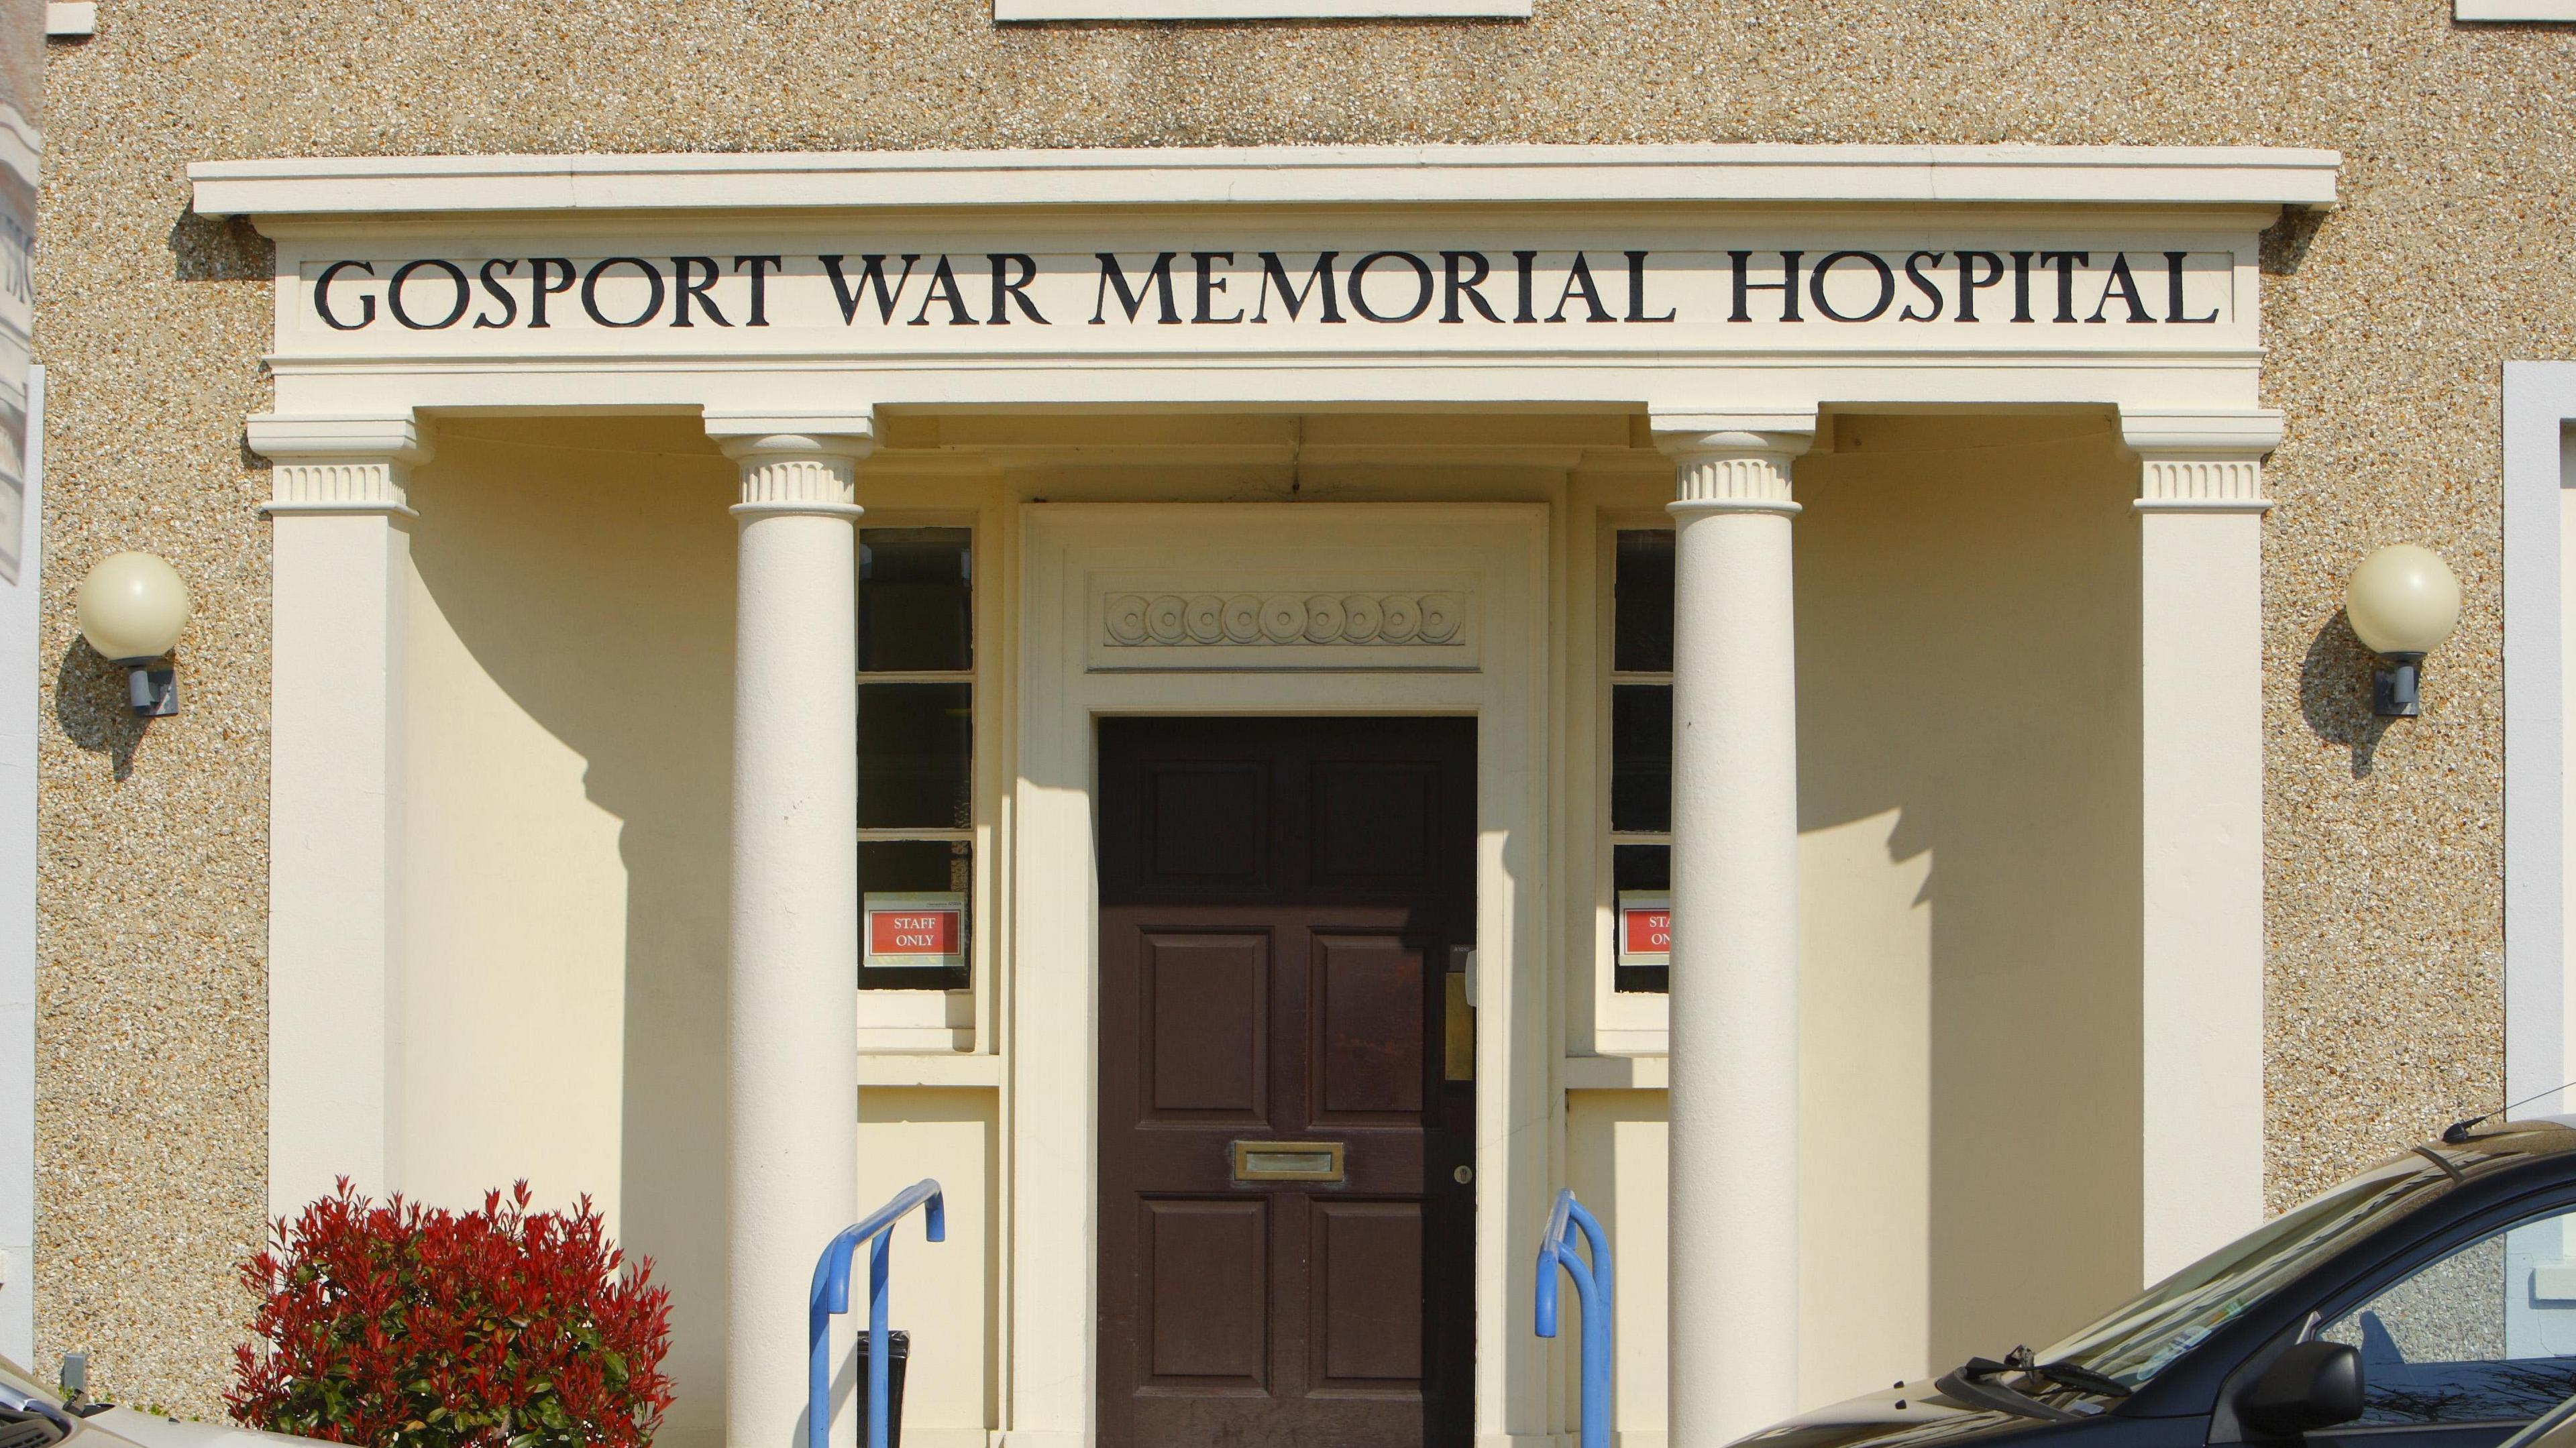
pixel 2189 480
pixel 1180 620
pixel 1746 478
pixel 788 483
pixel 353 486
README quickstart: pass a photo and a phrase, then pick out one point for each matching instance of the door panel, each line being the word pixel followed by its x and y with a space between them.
pixel 1207 821
pixel 1376 822
pixel 1368 1030
pixel 1207 1001
pixel 1205 1277
pixel 1280 901
pixel 1365 1335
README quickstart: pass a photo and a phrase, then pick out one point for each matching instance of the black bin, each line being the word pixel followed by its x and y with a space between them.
pixel 898 1348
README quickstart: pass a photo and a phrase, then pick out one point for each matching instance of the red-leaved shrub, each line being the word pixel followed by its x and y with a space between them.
pixel 397 1324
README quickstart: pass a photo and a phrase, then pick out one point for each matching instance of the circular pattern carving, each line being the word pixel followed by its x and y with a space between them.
pixel 1441 615
pixel 1328 619
pixel 1126 618
pixel 1206 618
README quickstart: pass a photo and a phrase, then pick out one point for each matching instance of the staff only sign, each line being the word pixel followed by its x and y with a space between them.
pixel 914 931
pixel 1931 294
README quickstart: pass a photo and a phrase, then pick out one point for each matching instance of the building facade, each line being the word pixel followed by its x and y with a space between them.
pixel 1736 609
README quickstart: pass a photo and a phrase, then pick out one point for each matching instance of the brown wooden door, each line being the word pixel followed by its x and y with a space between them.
pixel 1281 904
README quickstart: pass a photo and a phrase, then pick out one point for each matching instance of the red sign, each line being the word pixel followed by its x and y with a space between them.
pixel 1645 927
pixel 915 930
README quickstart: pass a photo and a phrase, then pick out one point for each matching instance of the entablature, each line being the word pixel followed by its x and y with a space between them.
pixel 1780 277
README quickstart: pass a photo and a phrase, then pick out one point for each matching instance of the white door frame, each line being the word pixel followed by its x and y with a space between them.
pixel 1077 560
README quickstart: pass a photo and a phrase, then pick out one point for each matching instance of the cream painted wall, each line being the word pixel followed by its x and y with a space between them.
pixel 946 1295
pixel 561 1008
pixel 1969 801
pixel 1865 1084
pixel 1615 1161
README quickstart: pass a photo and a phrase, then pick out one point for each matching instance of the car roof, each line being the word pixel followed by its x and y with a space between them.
pixel 2506 1140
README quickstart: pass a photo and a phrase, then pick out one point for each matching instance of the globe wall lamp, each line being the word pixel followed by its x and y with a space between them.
pixel 132 606
pixel 2402 602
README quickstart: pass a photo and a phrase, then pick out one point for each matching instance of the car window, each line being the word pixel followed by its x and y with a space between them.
pixel 2145 1335
pixel 2485 1334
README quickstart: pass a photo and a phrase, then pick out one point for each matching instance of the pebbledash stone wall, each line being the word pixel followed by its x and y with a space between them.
pixel 2387 322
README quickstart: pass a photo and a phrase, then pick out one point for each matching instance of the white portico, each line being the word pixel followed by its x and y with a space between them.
pixel 1730 308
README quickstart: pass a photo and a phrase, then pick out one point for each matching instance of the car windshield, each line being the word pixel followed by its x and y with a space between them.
pixel 2135 1342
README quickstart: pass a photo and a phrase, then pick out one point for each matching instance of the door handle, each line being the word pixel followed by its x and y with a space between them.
pixel 1458 1046
pixel 1288 1161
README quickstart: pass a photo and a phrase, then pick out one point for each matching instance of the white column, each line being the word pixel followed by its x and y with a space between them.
pixel 2200 516
pixel 1733 1209
pixel 340 575
pixel 792 1066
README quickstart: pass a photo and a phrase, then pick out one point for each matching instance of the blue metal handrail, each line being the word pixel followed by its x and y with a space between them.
pixel 1592 1289
pixel 831 1296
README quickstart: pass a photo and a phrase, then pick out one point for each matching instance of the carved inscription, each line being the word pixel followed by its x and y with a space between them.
pixel 1355 287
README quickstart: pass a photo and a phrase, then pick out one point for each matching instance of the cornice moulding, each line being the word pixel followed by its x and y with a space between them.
pixel 285 437
pixel 2190 176
pixel 839 434
pixel 2248 433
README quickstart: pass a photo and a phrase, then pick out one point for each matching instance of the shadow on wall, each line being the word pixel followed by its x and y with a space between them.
pixel 1968 746
pixel 220 249
pixel 2334 692
pixel 92 707
pixel 2285 243
pixel 572 639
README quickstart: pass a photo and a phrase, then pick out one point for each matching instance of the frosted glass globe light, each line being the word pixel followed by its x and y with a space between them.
pixel 132 607
pixel 2403 601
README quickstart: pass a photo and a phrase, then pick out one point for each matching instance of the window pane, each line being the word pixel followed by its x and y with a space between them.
pixel 1642 616
pixel 2486 1334
pixel 1641 757
pixel 916 868
pixel 915 742
pixel 916 600
pixel 1646 868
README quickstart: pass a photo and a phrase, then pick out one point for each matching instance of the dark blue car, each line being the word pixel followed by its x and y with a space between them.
pixel 2428 1303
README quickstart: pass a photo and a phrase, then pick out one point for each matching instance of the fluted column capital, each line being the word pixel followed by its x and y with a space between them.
pixel 345 465
pixel 2201 462
pixel 1733 462
pixel 795 463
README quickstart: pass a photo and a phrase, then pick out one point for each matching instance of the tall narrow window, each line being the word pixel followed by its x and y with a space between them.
pixel 916 757
pixel 1641 759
